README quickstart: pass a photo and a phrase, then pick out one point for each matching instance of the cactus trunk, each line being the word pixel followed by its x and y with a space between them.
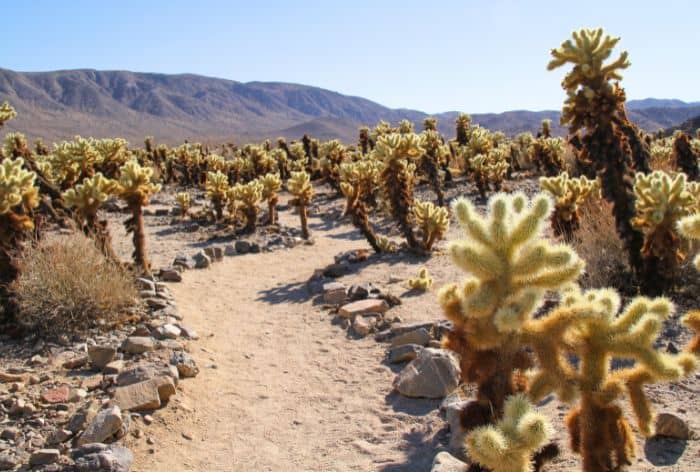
pixel 139 238
pixel 251 217
pixel 272 211
pixel 400 195
pixel 358 213
pixel 303 216
pixel 431 168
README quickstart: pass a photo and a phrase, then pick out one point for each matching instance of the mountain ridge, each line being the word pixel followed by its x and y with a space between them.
pixel 57 105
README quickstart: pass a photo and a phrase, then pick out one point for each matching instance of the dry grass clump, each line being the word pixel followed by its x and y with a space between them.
pixel 66 285
pixel 597 242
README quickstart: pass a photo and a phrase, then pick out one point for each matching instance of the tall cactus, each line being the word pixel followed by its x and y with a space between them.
pixel 686 157
pixel 216 188
pixel 433 221
pixel 358 181
pixel 271 184
pixel 299 184
pixel 568 194
pixel 135 188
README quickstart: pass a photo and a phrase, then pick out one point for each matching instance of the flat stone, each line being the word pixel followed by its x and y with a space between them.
pixel 44 456
pixel 100 356
pixel 92 382
pixel 181 260
pixel 230 250
pixel 56 395
pixel 146 372
pixel 138 396
pixel 334 293
pixel 185 364
pixel 99 457
pixel 363 306
pixel 168 331
pixel 672 426
pixel 420 336
pixel 114 367
pixel 106 424
pixel 60 436
pixel 144 283
pixel 433 374
pixel 76 362
pixel 445 462
pixel 82 417
pixel 215 253
pixel 138 344
pixel 188 332
pixel 170 274
pixel 404 353
pixel 157 303
pixel 10 378
pixel 362 326
pixel 242 247
pixel 201 260
pixel 165 386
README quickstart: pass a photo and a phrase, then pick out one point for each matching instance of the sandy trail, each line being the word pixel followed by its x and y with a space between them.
pixel 290 390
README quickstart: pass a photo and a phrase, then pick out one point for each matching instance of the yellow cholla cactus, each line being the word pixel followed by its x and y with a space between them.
pixel 6 113
pixel 423 282
pixel 568 194
pixel 547 154
pixel 113 153
pixel 405 127
pixel 510 268
pixel 73 159
pixel 508 445
pixel 249 194
pixel 299 184
pixel 262 161
pixel 184 202
pixel 215 163
pixel 433 220
pixel 397 147
pixel 271 184
pixel 89 195
pixel 216 189
pixel 299 158
pixel 18 194
pixel 135 185
pixel 587 326
pixel 689 227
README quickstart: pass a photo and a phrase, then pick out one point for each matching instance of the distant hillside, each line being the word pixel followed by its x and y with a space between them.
pixel 689 126
pixel 172 108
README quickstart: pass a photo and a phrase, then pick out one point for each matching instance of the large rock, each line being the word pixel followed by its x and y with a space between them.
pixel 138 396
pixel 138 344
pixel 145 372
pixel 185 364
pixel 201 260
pixel 83 417
pixel 444 462
pixel 671 426
pixel 363 306
pixel 170 274
pixel 420 336
pixel 242 247
pixel 99 457
pixel 106 424
pixel 100 356
pixel 433 374
pixel 334 293
pixel 362 326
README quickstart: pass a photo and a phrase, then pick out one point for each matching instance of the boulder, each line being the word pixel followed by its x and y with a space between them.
pixel 672 426
pixel 334 293
pixel 230 250
pixel 181 260
pixel 138 396
pixel 170 274
pixel 168 331
pixel 201 260
pixel 145 372
pixel 44 456
pixel 433 374
pixel 106 424
pixel 242 247
pixel 100 356
pixel 404 353
pixel 362 326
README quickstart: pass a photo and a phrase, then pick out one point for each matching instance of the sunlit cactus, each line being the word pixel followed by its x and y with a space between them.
pixel 488 170
pixel 281 158
pixel 74 160
pixel 113 154
pixel 568 193
pixel 662 156
pixel 299 185
pixel 382 128
pixel 548 155
pixel 405 127
pixel 463 123
pixel 661 202
pixel 509 445
pixel 359 181
pixel 436 153
pixel 271 184
pixel 398 153
pixel 135 188
pixel 216 188
pixel 249 195
pixel 184 203
pixel 430 124
pixel 594 111
pixel 422 282
pixel 215 163
pixel 6 113
pixel 433 221
pixel 86 198
pixel 545 129
pixel 587 327
pixel 263 162
pixel 510 267
pixel 299 160
pixel 332 154
pixel 15 145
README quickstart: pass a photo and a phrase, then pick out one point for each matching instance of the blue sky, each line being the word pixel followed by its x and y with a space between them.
pixel 474 56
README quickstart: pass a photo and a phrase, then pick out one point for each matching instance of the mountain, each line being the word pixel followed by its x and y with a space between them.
pixel 172 108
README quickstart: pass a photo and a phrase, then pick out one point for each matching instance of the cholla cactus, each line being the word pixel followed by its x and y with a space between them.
pixel 508 445
pixel 184 203
pixel 686 157
pixel 364 142
pixel 271 184
pixel 405 127
pixel 74 160
pixel 249 195
pixel 15 145
pixel 463 123
pixel 436 154
pixel 6 113
pixel 135 187
pixel 358 183
pixel 595 107
pixel 662 155
pixel 397 152
pixel 262 160
pixel 488 169
pixel 215 163
pixel 430 124
pixel 568 194
pixel 586 326
pixel 299 159
pixel 662 201
pixel 510 268
pixel 548 155
pixel 332 154
pixel 86 198
pixel 113 153
pixel 299 184
pixel 423 282
pixel 216 189
pixel 433 221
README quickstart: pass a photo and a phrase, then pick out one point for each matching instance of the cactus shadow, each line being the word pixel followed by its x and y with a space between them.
pixel 411 406
pixel 294 292
pixel 664 451
pixel 420 450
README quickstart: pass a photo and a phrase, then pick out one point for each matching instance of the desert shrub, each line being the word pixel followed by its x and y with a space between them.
pixel 65 284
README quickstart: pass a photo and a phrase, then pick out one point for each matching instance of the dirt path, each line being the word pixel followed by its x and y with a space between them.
pixel 290 391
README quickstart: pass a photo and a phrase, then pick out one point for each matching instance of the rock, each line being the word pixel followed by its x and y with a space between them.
pixel 242 247
pixel 138 344
pixel 157 303
pixel 254 248
pixel 398 330
pixel 114 367
pixel 363 306
pixel 170 274
pixel 44 456
pixel 185 364
pixel 671 426
pixel 181 260
pixel 362 291
pixel 7 462
pixel 56 395
pixel 201 260
pixel 10 434
pixel 433 374
pixel 60 436
pixel 168 331
pixel 188 332
pixel 106 424
pixel 445 462
pixel 100 356
pixel 98 457
pixel 230 250
pixel 76 362
pixel 362 326
pixel 215 253
pixel 457 433
pixel 404 353
pixel 144 283
pixel 82 418
pixel 419 336
pixel 334 293
pixel 145 372
pixel 336 270
pixel 9 378
pixel 165 386
pixel 138 396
